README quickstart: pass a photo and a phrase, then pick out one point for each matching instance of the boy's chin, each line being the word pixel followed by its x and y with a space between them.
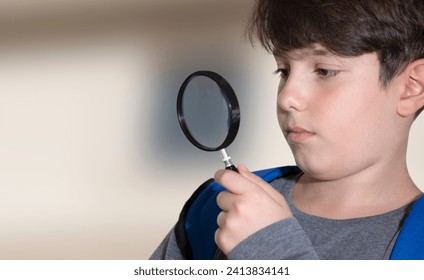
pixel 318 170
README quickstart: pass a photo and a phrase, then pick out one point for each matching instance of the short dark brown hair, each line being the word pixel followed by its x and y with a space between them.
pixel 394 29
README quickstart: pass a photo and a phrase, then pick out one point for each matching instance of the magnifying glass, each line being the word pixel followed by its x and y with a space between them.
pixel 208 112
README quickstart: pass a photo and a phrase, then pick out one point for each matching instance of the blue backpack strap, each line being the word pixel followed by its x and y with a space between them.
pixel 410 243
pixel 198 237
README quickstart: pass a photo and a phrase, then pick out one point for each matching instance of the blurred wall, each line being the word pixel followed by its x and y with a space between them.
pixel 93 164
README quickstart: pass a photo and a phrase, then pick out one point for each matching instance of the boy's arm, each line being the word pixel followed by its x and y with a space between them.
pixel 168 249
pixel 283 240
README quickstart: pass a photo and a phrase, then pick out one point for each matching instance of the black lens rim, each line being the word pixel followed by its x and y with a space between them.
pixel 233 110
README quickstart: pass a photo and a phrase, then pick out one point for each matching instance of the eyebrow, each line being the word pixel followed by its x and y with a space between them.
pixel 321 52
pixel 311 51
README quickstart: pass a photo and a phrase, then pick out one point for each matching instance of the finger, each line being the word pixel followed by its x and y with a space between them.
pixel 219 239
pixel 249 175
pixel 223 240
pixel 220 220
pixel 225 200
pixel 233 181
pixel 262 184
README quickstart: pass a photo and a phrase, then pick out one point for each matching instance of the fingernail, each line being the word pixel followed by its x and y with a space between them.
pixel 243 167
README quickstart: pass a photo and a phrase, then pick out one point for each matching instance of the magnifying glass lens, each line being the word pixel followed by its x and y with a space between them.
pixel 205 111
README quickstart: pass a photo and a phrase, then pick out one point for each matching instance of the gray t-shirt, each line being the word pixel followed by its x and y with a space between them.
pixel 306 236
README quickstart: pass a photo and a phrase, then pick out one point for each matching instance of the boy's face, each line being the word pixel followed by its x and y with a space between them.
pixel 335 114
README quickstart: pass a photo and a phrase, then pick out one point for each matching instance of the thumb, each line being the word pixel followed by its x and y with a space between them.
pixel 278 197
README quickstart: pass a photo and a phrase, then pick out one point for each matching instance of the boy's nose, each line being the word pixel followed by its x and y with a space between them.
pixel 292 96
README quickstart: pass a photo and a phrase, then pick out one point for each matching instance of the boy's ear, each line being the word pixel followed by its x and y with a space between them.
pixel 412 97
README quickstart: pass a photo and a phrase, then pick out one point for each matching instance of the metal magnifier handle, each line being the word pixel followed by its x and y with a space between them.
pixel 227 161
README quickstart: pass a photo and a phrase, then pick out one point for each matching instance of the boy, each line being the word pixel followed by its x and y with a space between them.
pixel 351 85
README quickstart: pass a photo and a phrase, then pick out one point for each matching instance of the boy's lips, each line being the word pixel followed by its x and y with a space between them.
pixel 297 134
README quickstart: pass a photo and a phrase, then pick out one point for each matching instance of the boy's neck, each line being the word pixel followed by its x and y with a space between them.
pixel 368 193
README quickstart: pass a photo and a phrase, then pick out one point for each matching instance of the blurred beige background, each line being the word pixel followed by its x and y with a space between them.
pixel 93 164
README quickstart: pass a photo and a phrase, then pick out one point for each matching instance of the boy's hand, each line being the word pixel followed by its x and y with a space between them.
pixel 249 205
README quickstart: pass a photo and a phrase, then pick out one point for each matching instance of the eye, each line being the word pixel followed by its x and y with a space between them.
pixel 326 72
pixel 282 73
